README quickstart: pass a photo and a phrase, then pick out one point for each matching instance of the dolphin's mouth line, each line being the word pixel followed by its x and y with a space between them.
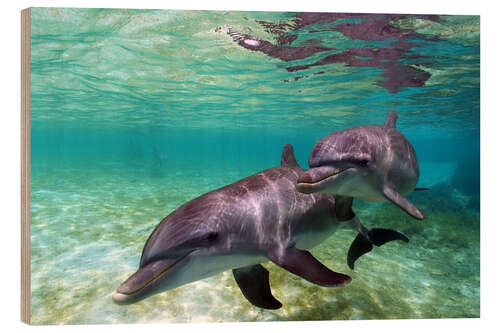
pixel 154 278
pixel 325 178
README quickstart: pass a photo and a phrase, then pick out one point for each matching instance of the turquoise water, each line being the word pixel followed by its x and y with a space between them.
pixel 135 112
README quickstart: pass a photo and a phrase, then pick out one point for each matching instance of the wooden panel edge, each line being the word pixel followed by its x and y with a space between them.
pixel 25 166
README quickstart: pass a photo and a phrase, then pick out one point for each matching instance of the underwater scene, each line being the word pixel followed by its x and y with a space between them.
pixel 136 112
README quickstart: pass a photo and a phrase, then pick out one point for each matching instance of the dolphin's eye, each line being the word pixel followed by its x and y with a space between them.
pixel 211 236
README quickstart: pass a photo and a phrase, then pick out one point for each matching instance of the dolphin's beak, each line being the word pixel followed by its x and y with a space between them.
pixel 315 179
pixel 144 282
pixel 120 298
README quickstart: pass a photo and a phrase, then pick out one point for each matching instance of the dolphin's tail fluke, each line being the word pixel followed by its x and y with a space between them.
pixel 364 243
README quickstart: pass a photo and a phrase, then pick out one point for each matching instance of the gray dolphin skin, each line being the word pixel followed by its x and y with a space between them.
pixel 374 163
pixel 260 218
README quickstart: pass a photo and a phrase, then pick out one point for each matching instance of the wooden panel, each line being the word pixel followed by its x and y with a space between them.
pixel 25 167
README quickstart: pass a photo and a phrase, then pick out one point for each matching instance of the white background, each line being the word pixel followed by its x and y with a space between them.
pixel 10 163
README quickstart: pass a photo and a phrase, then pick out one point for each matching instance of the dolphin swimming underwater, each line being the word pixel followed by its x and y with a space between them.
pixel 239 226
pixel 374 163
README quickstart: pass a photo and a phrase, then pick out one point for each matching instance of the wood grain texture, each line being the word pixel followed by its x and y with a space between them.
pixel 25 167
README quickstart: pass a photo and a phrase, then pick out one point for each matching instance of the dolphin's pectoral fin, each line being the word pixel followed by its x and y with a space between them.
pixel 303 264
pixel 254 284
pixel 390 121
pixel 376 236
pixel 288 157
pixel 403 203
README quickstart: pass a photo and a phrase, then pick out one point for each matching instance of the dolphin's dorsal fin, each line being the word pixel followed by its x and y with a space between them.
pixel 399 200
pixel 390 121
pixel 288 158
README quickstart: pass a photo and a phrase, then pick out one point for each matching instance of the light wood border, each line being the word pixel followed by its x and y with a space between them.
pixel 25 166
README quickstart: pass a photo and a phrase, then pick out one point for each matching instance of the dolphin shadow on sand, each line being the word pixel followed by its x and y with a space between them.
pixel 258 219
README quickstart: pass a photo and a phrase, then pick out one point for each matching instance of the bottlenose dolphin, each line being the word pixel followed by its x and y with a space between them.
pixel 374 163
pixel 242 225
